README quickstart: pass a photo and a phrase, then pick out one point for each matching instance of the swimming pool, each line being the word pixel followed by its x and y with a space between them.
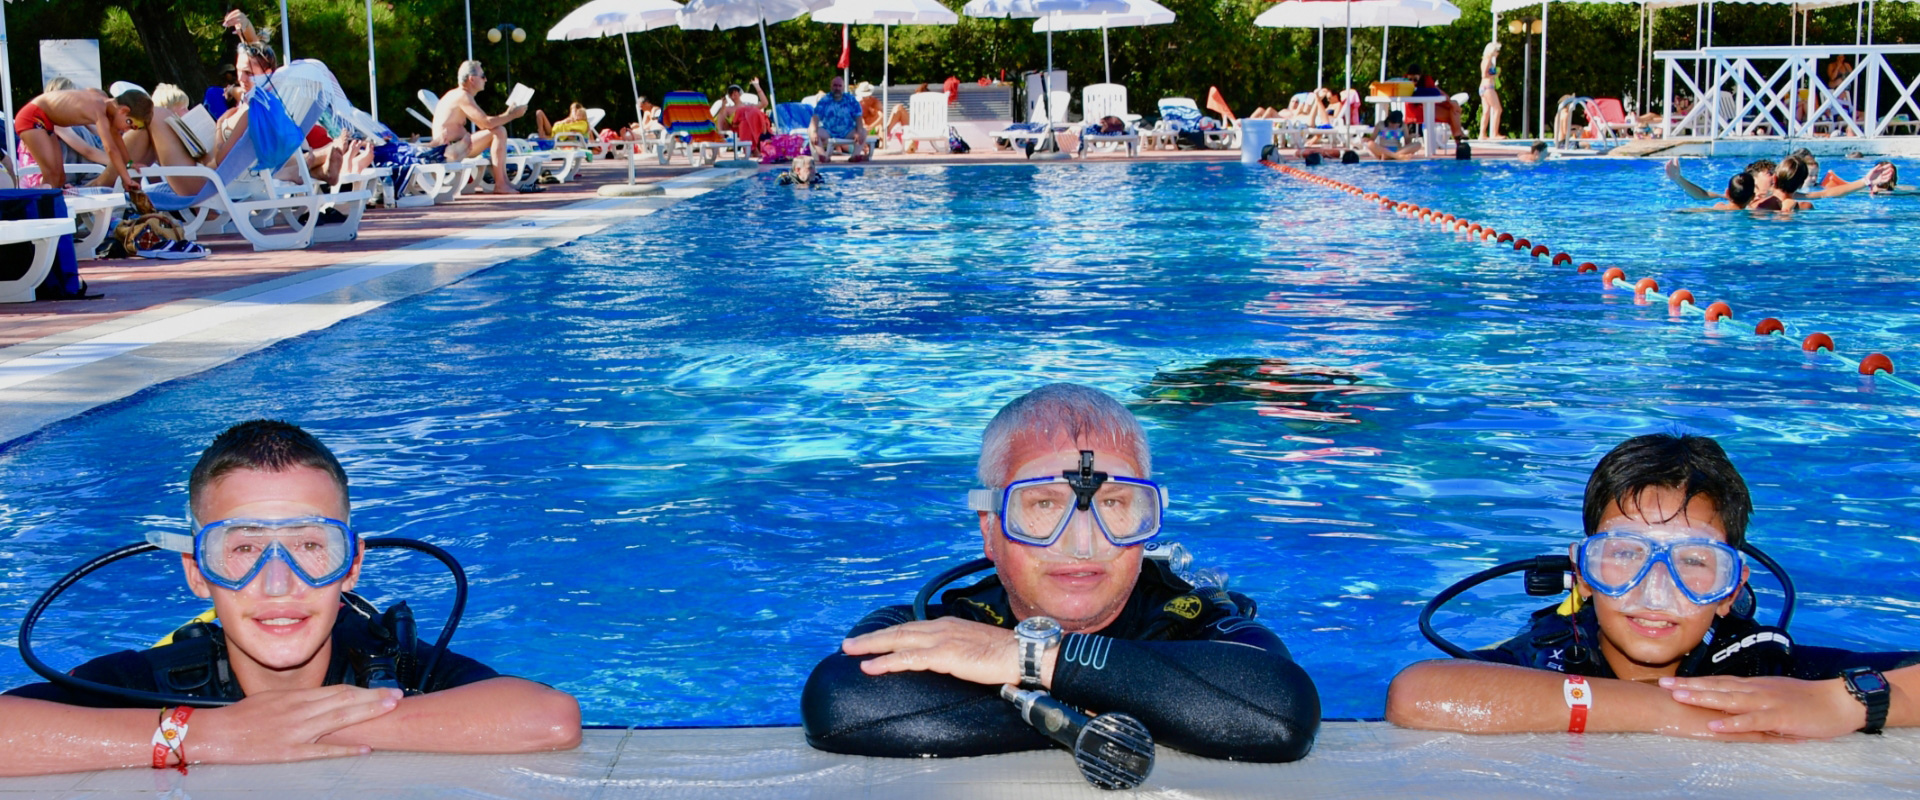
pixel 679 459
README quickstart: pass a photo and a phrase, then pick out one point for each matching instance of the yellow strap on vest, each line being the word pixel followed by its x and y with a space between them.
pixel 1569 606
pixel 205 616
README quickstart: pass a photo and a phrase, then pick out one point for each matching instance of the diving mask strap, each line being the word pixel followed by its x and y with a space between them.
pixel 1085 481
pixel 176 542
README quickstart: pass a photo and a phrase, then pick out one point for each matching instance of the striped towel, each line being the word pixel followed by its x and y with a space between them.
pixel 686 115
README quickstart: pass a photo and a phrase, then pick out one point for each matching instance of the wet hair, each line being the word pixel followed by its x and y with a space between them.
pixel 60 83
pixel 1695 465
pixel 170 96
pixel 469 69
pixel 1805 155
pixel 1538 147
pixel 1893 175
pixel 139 105
pixel 1059 415
pixel 1790 175
pixel 1762 165
pixel 267 445
pixel 1740 189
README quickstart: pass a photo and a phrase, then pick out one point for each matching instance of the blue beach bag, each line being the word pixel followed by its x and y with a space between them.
pixel 274 134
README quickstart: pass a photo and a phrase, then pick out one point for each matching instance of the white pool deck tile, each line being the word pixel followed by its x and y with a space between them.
pixel 59 376
pixel 1350 760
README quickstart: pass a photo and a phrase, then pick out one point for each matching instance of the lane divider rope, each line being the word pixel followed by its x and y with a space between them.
pixel 1646 291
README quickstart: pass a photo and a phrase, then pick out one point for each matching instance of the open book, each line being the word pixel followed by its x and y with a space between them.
pixel 196 130
pixel 520 96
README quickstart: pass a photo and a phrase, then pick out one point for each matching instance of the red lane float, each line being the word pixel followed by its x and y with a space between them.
pixel 1875 363
pixel 1541 250
pixel 1768 327
pixel 1588 266
pixel 1718 310
pixel 1816 342
pixel 1641 288
pixel 1504 238
pixel 1674 300
pixel 1606 278
pixel 1562 258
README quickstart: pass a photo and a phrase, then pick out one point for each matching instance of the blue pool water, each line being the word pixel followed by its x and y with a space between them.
pixel 681 458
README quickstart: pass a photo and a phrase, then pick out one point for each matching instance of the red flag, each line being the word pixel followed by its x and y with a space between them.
pixel 846 48
pixel 1218 102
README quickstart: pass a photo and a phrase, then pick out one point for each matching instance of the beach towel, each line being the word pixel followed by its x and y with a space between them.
pixel 749 124
pixel 793 116
pixel 1180 118
pixel 274 134
pixel 685 114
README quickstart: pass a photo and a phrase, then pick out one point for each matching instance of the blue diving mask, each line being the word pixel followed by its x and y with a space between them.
pixel 1704 570
pixel 232 552
pixel 1036 511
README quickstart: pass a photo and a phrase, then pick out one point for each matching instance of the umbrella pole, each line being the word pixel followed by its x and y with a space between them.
pixel 469 30
pixel 1639 51
pixel 1320 65
pixel 1543 69
pixel 767 59
pixel 1106 56
pixel 1383 50
pixel 886 70
pixel 1349 38
pixel 373 74
pixel 632 83
pixel 286 37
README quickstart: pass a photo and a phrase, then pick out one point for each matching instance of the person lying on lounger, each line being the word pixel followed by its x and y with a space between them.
pixel 1658 635
pixel 271 548
pixel 574 122
pixel 1074 608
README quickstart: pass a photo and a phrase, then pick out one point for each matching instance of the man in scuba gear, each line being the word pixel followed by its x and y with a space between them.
pixel 1653 638
pixel 1098 626
pixel 273 553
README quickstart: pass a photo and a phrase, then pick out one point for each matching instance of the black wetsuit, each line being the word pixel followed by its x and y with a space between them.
pixel 1202 676
pixel 198 667
pixel 1737 646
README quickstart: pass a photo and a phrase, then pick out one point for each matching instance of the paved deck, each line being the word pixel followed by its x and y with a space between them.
pixel 1351 760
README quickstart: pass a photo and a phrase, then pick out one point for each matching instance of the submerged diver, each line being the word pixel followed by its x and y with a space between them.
pixel 1654 637
pixel 1074 610
pixel 273 551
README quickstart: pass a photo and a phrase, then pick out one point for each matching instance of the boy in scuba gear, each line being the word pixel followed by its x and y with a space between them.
pixel 274 554
pixel 1655 637
pixel 1064 524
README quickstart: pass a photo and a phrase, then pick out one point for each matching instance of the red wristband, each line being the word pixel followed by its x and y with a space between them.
pixel 171 737
pixel 1579 697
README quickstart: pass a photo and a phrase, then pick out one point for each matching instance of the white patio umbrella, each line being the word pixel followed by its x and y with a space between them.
pixel 1028 9
pixel 886 14
pixel 719 15
pixel 607 17
pixel 1352 14
pixel 1139 13
pixel 6 75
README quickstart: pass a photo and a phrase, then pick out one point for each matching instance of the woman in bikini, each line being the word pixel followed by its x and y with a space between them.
pixel 1489 91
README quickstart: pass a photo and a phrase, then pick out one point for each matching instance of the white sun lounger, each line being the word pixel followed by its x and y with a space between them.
pixel 927 119
pixel 45 235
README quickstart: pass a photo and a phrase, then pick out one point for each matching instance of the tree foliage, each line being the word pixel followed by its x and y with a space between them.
pixel 420 43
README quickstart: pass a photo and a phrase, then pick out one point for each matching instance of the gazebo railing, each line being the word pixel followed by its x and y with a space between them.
pixel 1744 92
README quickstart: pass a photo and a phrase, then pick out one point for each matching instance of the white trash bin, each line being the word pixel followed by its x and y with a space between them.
pixel 1255 135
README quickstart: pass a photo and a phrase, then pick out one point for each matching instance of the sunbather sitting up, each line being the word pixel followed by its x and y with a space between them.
pixel 837 116
pixel 747 122
pixel 1389 142
pixel 458 109
pixel 574 122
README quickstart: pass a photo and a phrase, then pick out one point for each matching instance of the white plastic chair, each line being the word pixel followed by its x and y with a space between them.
pixel 927 118
pixel 45 235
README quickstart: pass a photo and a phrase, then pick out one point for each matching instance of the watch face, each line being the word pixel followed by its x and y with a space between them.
pixel 1039 627
pixel 1868 682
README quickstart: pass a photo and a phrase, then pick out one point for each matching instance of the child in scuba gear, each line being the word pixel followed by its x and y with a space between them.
pixel 1655 629
pixel 274 555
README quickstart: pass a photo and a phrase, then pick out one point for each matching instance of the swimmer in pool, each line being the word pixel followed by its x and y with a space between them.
pixel 273 552
pixel 1534 154
pixel 1738 197
pixel 1650 639
pixel 802 174
pixel 1075 609
pixel 1830 189
pixel 1890 182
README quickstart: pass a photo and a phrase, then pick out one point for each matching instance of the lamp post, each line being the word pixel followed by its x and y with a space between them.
pixel 507 33
pixel 1526 27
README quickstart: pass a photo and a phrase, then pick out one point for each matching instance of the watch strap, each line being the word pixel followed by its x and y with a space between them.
pixel 1876 700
